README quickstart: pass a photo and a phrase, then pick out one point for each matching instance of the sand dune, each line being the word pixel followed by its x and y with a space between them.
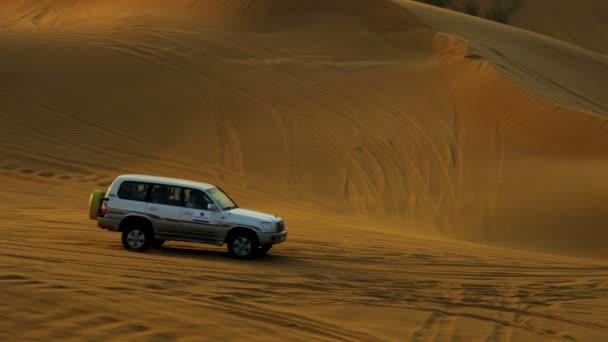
pixel 378 129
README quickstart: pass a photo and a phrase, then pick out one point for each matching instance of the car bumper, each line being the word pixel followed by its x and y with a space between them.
pixel 272 238
pixel 108 223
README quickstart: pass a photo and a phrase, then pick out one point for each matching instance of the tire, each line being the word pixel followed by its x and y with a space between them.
pixel 243 245
pixel 137 239
pixel 262 250
pixel 158 243
pixel 95 203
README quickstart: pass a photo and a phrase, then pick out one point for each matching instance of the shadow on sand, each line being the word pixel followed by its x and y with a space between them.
pixel 221 254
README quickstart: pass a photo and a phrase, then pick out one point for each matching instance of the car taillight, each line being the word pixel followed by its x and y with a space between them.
pixel 103 209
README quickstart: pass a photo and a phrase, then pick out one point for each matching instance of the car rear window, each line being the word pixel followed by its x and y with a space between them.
pixel 133 191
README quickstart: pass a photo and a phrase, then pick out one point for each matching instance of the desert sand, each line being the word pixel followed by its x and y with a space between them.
pixel 442 177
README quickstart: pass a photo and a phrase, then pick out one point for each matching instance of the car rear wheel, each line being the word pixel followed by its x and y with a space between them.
pixel 136 239
pixel 243 245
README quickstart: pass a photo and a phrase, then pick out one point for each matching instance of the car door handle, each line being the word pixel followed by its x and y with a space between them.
pixel 153 208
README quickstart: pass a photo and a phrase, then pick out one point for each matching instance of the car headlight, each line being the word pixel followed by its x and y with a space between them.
pixel 268 225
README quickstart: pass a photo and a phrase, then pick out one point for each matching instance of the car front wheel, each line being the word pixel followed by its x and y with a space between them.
pixel 243 245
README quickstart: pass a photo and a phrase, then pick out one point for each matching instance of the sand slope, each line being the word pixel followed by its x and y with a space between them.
pixel 542 165
pixel 410 125
pixel 377 129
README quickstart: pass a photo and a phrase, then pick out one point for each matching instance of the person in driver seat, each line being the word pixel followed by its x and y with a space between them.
pixel 194 201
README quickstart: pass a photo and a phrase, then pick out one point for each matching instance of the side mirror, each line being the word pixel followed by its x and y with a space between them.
pixel 212 207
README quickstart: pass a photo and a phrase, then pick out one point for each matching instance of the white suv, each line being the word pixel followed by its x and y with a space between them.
pixel 151 210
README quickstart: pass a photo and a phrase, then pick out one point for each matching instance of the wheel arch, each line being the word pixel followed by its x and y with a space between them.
pixel 237 229
pixel 135 220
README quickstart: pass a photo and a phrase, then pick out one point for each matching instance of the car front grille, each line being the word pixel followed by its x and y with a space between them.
pixel 280 226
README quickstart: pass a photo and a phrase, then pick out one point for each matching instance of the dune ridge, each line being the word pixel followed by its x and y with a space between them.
pixel 580 23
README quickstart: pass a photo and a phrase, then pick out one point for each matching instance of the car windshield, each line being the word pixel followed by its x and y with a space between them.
pixel 221 199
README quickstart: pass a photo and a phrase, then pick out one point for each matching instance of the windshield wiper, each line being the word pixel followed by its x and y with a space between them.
pixel 232 207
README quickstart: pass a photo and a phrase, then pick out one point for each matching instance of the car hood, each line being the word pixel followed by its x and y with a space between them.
pixel 239 215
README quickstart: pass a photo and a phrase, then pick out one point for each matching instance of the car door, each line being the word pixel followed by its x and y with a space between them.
pixel 127 200
pixel 196 220
pixel 164 209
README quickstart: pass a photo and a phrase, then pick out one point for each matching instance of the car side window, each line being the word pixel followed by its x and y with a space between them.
pixel 196 199
pixel 133 191
pixel 165 194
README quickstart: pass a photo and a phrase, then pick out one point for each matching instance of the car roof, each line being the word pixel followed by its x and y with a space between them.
pixel 166 180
